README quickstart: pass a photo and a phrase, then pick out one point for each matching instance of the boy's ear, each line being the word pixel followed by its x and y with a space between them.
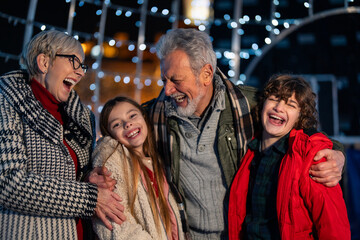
pixel 207 74
pixel 43 62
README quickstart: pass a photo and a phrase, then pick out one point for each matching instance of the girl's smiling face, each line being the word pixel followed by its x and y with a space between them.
pixel 279 117
pixel 127 125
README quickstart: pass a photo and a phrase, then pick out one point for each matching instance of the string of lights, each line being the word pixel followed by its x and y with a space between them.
pixel 274 26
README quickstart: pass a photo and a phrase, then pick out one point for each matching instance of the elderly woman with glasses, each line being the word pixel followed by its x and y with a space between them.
pixel 46 139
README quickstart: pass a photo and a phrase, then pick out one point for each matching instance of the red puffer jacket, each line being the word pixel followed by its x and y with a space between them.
pixel 305 209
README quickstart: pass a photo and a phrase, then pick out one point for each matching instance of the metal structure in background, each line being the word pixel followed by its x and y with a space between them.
pixel 236 40
pixel 141 41
pixel 235 46
pixel 100 56
pixel 30 22
pixel 71 17
pixel 286 32
pixel 316 81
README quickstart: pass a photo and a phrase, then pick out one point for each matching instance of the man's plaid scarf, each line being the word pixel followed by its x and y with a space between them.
pixel 243 122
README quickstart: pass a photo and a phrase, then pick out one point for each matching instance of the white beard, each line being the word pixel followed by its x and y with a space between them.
pixel 191 106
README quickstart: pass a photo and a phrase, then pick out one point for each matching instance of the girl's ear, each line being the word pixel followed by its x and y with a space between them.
pixel 43 62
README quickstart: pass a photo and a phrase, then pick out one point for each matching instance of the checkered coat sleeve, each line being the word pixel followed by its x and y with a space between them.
pixel 40 195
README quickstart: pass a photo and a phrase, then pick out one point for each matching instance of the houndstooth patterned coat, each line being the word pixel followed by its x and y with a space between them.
pixel 40 195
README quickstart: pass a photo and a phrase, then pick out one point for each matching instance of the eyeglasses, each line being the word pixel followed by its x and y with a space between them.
pixel 75 61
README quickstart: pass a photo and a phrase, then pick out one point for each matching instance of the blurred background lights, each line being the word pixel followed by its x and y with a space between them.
pixel 118 12
pixel 100 109
pixel 268 28
pixel 154 9
pixel 202 27
pixel 244 55
pixel 153 49
pixel 258 18
pixel 218 54
pixel 277 14
pixel 227 17
pixel 95 51
pixel 306 4
pixel 81 3
pixel 240 31
pixel 275 22
pixel 160 83
pixel 95 65
pixel 135 59
pixel 92 87
pixel 94 98
pixel 140 2
pixel 147 82
pixel 267 40
pixel 233 24
pixel 98 12
pixel 136 81
pixel 242 21
pixel 254 46
pixel 258 52
pixel 140 86
pixel 142 47
pixel 197 22
pixel 242 77
pixel 131 47
pixel 197 9
pixel 187 21
pixel 231 63
pixel 76 37
pixel 246 18
pixel 217 22
pixel 229 55
pixel 172 18
pixel 128 14
pixel 165 12
pixel 286 25
pixel 231 73
pixel 43 27
pixel 112 42
pixel 276 31
pixel 117 78
pixel 101 74
pixel 276 2
pixel 126 79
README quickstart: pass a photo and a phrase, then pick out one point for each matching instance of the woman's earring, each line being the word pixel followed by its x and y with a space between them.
pixel 45 71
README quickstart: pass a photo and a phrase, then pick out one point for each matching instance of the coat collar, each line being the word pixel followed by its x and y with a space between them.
pixel 16 89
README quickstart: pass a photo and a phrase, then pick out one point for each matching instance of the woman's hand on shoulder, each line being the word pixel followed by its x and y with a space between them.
pixel 101 176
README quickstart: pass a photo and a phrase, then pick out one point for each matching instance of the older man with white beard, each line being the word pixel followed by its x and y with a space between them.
pixel 202 124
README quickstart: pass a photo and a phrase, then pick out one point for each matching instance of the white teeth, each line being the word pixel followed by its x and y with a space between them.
pixel 179 98
pixel 276 117
pixel 72 82
pixel 133 133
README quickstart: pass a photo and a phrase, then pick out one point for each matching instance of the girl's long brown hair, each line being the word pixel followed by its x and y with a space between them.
pixel 136 165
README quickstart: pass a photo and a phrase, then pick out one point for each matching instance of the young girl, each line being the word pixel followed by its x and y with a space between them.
pixel 272 195
pixel 127 150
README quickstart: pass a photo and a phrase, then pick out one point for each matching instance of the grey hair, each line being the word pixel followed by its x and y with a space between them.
pixel 196 44
pixel 49 43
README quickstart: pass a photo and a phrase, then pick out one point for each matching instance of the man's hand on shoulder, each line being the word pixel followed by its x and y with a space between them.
pixel 329 172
